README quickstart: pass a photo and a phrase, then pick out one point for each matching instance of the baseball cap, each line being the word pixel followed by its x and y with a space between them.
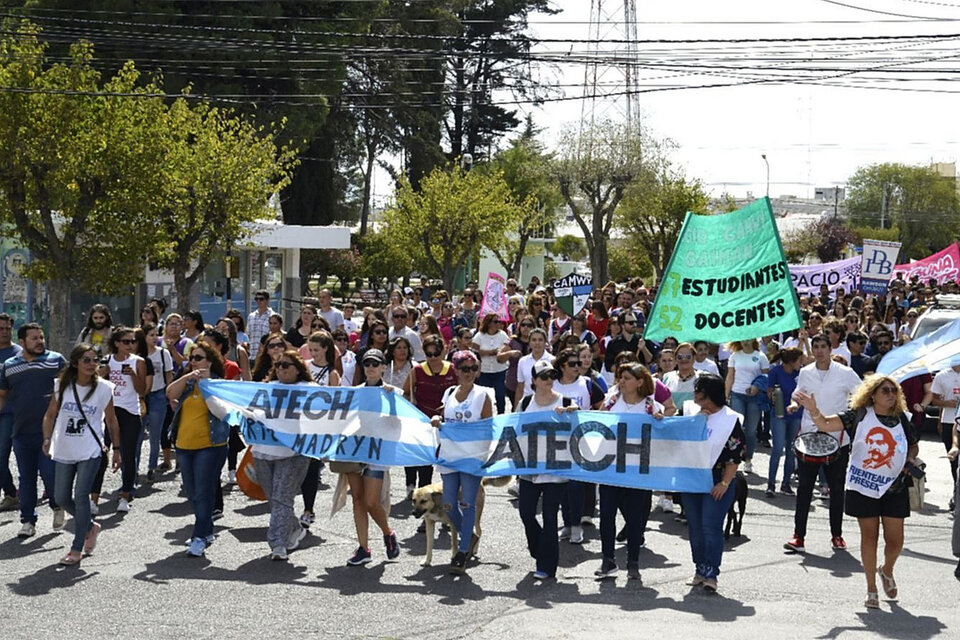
pixel 374 354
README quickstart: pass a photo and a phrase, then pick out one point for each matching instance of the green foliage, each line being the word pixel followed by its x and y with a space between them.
pixel 653 210
pixel 919 202
pixel 626 263
pixel 825 237
pixel 570 247
pixel 384 257
pixel 452 214
pixel 873 233
pixel 345 264
pixel 551 270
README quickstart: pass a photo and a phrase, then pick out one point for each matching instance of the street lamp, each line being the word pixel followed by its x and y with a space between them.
pixel 767 162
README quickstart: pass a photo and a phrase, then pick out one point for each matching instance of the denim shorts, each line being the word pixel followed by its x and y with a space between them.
pixel 376 474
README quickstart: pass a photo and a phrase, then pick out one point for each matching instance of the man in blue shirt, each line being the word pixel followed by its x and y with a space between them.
pixel 7 350
pixel 26 383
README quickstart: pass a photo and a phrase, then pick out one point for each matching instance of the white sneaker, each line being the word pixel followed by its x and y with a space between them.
pixel 297 538
pixel 59 517
pixel 576 535
pixel 124 506
pixel 748 466
pixel 278 553
pixel 28 530
pixel 665 504
pixel 232 477
pixel 565 533
pixel 94 508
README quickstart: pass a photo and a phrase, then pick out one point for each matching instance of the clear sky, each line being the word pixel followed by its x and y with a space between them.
pixel 812 135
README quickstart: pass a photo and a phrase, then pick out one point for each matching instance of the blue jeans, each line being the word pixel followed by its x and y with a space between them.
pixel 497 382
pixel 74 481
pixel 705 525
pixel 6 446
pixel 460 502
pixel 542 542
pixel 200 469
pixel 153 421
pixel 28 448
pixel 784 430
pixel 750 410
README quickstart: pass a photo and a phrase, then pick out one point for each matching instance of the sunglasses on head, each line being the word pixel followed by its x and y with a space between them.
pixel 472 368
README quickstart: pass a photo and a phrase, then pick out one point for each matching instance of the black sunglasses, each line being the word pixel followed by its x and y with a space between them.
pixel 548 375
pixel 471 368
pixel 372 363
pixel 198 358
pixel 285 365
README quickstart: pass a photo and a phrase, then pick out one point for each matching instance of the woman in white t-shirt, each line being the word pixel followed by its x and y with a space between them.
pixel 128 373
pixel 156 397
pixel 538 352
pixel 488 340
pixel 73 436
pixel 746 363
pixel 636 389
pixel 542 541
pixel 466 402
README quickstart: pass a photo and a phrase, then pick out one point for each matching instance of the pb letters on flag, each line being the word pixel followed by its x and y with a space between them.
pixel 727 280
pixel 876 268
pixel 573 292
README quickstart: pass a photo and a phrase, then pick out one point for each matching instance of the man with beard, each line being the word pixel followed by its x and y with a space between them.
pixel 26 382
pixel 97 330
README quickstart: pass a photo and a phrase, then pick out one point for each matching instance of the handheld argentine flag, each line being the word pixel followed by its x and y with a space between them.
pixel 629 450
pixel 350 424
pixel 931 353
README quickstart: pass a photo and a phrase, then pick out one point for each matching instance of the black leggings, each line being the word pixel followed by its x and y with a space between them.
pixel 419 476
pixel 130 428
pixel 836 475
pixel 310 484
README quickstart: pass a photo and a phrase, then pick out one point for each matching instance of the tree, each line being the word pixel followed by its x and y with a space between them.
pixel 918 201
pixel 453 213
pixel 826 237
pixel 570 247
pixel 385 258
pixel 594 168
pixel 77 169
pixel 526 169
pixel 344 264
pixel 219 175
pixel 627 263
pixel 653 210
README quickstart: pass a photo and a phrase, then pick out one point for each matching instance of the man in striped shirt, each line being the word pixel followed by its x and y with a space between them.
pixel 258 322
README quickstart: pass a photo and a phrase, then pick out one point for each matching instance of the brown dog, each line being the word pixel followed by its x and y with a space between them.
pixel 428 504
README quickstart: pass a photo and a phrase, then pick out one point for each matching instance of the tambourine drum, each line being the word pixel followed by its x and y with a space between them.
pixel 816 447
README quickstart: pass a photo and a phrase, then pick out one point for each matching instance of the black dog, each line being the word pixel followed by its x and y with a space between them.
pixel 739 501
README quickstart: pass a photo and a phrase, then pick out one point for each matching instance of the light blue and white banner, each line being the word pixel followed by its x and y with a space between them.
pixel 333 423
pixel 807 278
pixel 931 353
pixel 629 450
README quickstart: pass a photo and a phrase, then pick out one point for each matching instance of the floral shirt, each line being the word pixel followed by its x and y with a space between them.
pixel 733 452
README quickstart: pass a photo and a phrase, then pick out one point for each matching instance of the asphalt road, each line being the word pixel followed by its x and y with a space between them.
pixel 140 584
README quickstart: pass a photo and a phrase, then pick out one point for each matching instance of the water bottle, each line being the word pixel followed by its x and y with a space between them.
pixel 778 401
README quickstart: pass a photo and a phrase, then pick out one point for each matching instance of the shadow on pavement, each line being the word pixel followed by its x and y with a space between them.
pixel 46 579
pixel 896 623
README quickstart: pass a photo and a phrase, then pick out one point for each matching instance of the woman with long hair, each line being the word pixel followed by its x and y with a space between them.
pixel 201 442
pixel 488 341
pixel 746 363
pixel 377 337
pixel 235 350
pixel 280 470
pixel 192 324
pixel 399 362
pixel 73 436
pixel 156 399
pixel 297 336
pixel 323 355
pixel 273 346
pixel 883 452
pixel 516 348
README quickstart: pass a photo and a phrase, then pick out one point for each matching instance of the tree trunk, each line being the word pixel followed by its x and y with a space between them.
pixel 59 338
pixel 367 186
pixel 183 287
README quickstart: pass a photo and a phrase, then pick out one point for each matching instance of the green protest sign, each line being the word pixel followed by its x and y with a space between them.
pixel 727 280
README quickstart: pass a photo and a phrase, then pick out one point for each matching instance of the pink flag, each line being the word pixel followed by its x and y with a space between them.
pixel 942 266
pixel 495 297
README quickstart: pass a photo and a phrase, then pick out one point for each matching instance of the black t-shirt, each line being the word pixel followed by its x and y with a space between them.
pixel 732 452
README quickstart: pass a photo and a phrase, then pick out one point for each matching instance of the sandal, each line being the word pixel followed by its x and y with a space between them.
pixel 69 560
pixel 889 584
pixel 872 601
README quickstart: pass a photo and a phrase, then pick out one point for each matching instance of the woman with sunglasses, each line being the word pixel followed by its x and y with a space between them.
pixel 128 374
pixel 882 456
pixel 236 352
pixel 176 344
pixel 273 346
pixel 636 389
pixel 347 359
pixel 466 402
pixel 906 329
pixel 536 307
pixel 542 540
pixel 149 314
pixel 280 470
pixel 538 352
pixel 489 341
pixel 366 485
pixel 201 442
pixel 377 338
pixel 77 453
pixel 192 324
pixel 425 387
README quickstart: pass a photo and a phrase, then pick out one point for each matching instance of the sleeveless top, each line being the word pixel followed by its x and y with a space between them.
pixel 877 456
pixel 124 395
pixel 430 387
pixel 320 375
pixel 455 411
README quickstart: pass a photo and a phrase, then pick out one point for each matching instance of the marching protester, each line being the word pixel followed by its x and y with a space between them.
pixel 466 402
pixel 882 458
pixel 155 398
pixel 784 426
pixel 26 385
pixel 489 341
pixel 74 438
pixel 98 328
pixel 746 362
pixel 280 470
pixel 201 442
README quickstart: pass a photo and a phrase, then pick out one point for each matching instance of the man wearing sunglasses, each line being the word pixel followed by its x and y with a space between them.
pixel 400 329
pixel 856 343
pixel 832 384
pixel 629 340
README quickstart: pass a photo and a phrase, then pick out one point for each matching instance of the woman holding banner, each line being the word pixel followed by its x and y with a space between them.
pixel 467 402
pixel 636 396
pixel 706 511
pixel 280 470
pixel 882 455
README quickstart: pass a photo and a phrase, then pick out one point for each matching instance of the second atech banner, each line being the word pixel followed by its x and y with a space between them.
pixel 727 279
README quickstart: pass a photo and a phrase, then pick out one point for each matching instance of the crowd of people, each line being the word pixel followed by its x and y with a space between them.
pixel 67 418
